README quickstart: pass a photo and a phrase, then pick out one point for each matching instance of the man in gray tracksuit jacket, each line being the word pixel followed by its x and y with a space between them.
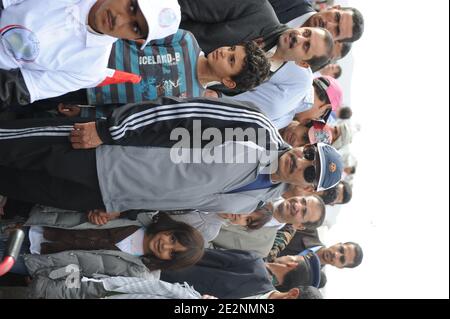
pixel 169 154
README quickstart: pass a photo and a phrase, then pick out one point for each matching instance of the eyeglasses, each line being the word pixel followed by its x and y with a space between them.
pixel 310 174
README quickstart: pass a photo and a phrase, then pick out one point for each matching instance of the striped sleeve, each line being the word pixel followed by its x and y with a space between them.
pixel 159 123
pixel 282 239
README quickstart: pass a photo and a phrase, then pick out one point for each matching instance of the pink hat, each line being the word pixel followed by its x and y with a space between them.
pixel 334 92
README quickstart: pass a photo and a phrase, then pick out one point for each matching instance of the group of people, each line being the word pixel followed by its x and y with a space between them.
pixel 174 149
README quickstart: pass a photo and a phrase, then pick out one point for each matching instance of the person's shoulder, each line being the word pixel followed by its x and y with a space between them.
pixel 293 67
pixel 293 74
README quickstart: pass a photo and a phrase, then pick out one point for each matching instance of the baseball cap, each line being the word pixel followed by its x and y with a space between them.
pixel 333 89
pixel 163 18
pixel 346 136
pixel 320 133
pixel 331 167
pixel 309 270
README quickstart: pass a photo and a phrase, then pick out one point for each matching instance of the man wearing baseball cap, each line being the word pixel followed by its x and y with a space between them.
pixel 316 167
pixel 328 96
pixel 304 271
pixel 49 48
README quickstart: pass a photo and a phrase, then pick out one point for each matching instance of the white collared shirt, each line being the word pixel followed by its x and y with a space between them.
pixel 51 44
pixel 133 244
pixel 274 223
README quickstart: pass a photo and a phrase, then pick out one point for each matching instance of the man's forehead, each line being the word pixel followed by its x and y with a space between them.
pixel 346 24
pixel 349 252
pixel 311 205
pixel 317 40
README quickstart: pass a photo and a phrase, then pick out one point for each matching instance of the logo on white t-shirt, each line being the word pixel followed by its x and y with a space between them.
pixel 20 43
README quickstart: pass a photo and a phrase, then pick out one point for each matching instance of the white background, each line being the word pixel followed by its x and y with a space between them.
pixel 399 212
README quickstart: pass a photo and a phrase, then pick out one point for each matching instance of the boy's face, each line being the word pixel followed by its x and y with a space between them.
pixel 227 62
pixel 122 19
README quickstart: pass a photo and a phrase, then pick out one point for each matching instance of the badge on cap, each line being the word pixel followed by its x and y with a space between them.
pixel 332 167
pixel 21 43
pixel 167 17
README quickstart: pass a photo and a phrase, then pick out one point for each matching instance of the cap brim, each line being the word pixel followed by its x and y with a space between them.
pixel 315 270
pixel 322 168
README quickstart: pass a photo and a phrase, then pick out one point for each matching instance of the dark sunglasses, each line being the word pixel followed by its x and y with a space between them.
pixel 310 173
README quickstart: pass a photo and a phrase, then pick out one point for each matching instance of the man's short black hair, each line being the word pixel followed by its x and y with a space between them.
pixel 345 113
pixel 309 292
pixel 348 192
pixel 352 170
pixel 338 73
pixel 346 47
pixel 358 24
pixel 318 62
pixel 358 255
pixel 256 68
pixel 329 195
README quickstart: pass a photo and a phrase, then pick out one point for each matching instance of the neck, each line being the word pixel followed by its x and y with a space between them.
pixel 205 74
pixel 277 216
pixel 278 57
pixel 278 219
pixel 319 254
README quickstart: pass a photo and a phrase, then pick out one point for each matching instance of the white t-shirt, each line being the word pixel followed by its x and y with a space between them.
pixel 133 244
pixel 50 43
pixel 36 236
pixel 274 223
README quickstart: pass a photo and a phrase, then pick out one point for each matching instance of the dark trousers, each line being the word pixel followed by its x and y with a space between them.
pixel 46 169
pixel 75 97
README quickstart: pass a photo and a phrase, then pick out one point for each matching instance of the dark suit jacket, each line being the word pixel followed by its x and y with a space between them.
pixel 217 23
pixel 302 240
pixel 288 10
pixel 228 274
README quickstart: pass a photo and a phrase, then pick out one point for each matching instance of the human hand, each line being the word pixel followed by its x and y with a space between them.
pixel 69 110
pixel 85 136
pixel 100 217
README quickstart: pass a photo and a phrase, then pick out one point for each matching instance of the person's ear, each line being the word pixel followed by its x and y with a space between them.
pixel 302 64
pixel 310 189
pixel 292 264
pixel 229 83
pixel 293 293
